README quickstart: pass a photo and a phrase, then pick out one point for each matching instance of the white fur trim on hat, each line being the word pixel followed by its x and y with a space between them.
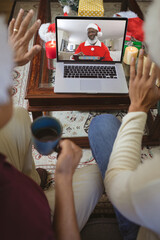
pixel 96 27
pixel 44 34
pixel 152 33
pixel 6 63
pixel 100 34
pixel 127 14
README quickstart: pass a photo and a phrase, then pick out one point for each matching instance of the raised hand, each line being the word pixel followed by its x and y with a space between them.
pixel 143 91
pixel 20 36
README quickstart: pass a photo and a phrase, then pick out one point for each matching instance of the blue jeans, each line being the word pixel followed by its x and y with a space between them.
pixel 102 134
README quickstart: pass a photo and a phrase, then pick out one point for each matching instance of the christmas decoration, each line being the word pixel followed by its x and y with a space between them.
pixel 135 25
pixel 91 8
pixel 47 30
pixel 66 10
pixel 73 4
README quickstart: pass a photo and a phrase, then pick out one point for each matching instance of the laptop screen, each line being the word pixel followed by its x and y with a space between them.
pixel 90 39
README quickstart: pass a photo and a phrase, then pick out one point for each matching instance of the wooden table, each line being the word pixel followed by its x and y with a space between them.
pixel 42 98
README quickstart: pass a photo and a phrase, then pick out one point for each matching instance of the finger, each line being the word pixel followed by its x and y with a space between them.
pixel 75 147
pixel 66 150
pixel 18 20
pixel 29 34
pixel 147 68
pixel 25 23
pixel 69 146
pixel 140 64
pixel 32 52
pixel 65 145
pixel 132 69
pixel 11 27
pixel 153 77
pixel 77 150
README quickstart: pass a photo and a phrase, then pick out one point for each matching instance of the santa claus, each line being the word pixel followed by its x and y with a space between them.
pixel 92 46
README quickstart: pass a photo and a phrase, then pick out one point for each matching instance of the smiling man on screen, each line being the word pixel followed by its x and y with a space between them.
pixel 93 46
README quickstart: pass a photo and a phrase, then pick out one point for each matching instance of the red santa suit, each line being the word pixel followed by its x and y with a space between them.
pixel 99 49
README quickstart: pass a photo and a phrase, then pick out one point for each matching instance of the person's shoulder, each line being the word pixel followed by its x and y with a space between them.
pixel 82 44
pixel 103 45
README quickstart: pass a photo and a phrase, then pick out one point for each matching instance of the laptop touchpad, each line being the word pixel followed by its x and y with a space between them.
pixel 90 85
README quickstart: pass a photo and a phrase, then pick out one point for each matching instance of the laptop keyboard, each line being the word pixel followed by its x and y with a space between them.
pixel 89 71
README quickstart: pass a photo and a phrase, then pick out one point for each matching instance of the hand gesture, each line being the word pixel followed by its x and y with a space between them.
pixel 19 37
pixel 143 91
pixel 68 158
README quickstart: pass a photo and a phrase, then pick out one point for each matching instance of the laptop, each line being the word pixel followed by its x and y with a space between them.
pixel 89 64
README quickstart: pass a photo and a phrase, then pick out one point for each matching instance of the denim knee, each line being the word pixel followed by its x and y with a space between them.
pixel 102 133
pixel 104 122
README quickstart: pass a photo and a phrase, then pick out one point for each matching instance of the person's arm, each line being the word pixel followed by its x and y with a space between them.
pixel 79 51
pixel 65 222
pixel 20 35
pixel 125 175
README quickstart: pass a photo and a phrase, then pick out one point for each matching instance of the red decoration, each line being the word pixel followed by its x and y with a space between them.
pixel 65 14
pixel 128 36
pixel 52 28
pixel 50 49
pixel 135 26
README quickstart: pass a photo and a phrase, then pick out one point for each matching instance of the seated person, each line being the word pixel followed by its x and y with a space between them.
pixel 92 46
pixel 25 211
pixel 133 187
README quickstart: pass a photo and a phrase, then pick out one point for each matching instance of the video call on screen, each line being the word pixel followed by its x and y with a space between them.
pixel 73 32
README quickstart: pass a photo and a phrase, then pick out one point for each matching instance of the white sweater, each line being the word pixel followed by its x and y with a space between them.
pixel 134 188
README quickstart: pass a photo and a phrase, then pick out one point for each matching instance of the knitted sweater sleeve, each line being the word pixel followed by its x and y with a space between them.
pixel 134 188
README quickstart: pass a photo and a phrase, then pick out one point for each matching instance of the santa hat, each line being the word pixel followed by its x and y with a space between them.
pixel 96 27
pixel 46 33
pixel 134 26
pixel 152 33
pixel 47 30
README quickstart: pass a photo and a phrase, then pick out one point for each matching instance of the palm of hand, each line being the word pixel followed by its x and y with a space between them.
pixel 20 36
pixel 21 52
pixel 144 94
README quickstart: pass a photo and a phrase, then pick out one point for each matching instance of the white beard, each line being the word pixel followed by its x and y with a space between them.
pixel 152 31
pixel 92 42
